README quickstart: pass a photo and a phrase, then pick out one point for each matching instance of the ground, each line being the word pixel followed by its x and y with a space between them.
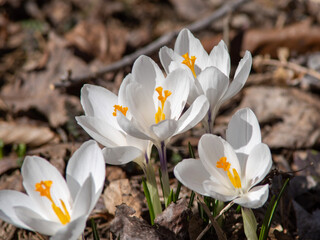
pixel 49 49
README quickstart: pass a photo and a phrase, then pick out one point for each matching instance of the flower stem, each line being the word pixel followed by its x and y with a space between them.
pixel 153 189
pixel 164 172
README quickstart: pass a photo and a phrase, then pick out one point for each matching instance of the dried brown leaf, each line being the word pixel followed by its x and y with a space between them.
pixel 11 132
pixel 94 39
pixel 32 89
pixel 291 116
pixel 299 37
pixel 120 191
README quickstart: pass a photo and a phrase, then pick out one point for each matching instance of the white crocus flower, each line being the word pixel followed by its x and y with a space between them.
pixel 156 105
pixel 101 108
pixel 100 122
pixel 230 171
pixel 53 206
pixel 210 72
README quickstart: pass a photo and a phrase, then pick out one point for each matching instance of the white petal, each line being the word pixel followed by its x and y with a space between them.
pixel 166 57
pixel 102 131
pixel 141 144
pixel 258 164
pixel 219 191
pixel 87 160
pixel 36 222
pixel 214 84
pixel 178 83
pixel 121 155
pixel 141 103
pixel 243 131
pixel 10 199
pixel 72 230
pixel 193 115
pixel 122 91
pixel 164 129
pixel 241 75
pixel 191 173
pixel 219 58
pixel 146 72
pixel 132 127
pixel 98 102
pixel 187 43
pixel 211 149
pixel 255 198
pixel 34 170
pixel 195 90
pixel 85 199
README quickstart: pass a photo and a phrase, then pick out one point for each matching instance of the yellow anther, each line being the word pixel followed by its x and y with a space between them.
pixel 222 163
pixel 190 62
pixel 234 179
pixel 43 188
pixel 159 116
pixel 121 109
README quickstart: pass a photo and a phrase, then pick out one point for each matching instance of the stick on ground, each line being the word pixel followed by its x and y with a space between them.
pixel 153 46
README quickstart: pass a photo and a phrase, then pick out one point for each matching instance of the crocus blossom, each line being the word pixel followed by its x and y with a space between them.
pixel 156 103
pixel 230 171
pixel 210 72
pixel 53 206
pixel 101 108
pixel 100 122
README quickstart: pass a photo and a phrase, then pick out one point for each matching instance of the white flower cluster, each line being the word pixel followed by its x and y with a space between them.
pixel 149 110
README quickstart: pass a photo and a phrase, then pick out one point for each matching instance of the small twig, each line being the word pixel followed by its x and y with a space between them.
pixel 153 46
pixel 290 65
pixel 221 235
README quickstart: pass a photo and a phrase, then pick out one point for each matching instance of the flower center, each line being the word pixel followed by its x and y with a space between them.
pixel 162 98
pixel 119 108
pixel 43 188
pixel 234 178
pixel 189 62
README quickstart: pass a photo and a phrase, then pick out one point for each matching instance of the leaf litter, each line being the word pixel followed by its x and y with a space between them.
pixel 50 41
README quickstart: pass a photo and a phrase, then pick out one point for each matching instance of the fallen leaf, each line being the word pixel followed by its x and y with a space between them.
pixel 32 135
pixel 190 9
pixel 31 90
pixel 291 117
pixel 96 40
pixel 175 218
pixel 299 37
pixel 8 163
pixel 120 191
pixel 123 226
pixel 114 173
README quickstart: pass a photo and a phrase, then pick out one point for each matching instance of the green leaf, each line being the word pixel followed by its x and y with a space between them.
pixel 176 195
pixel 270 212
pixel 249 223
pixel 147 195
pixel 170 198
pixel 94 230
pixel 191 199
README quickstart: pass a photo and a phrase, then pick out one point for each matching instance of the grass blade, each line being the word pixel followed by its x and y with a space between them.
pixel 270 212
pixel 94 230
pixel 176 195
pixel 147 195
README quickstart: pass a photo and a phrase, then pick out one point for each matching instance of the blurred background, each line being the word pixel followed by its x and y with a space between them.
pixel 49 49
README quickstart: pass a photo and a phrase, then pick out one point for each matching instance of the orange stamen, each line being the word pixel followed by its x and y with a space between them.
pixel 190 62
pixel 159 116
pixel 43 188
pixel 121 109
pixel 234 179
